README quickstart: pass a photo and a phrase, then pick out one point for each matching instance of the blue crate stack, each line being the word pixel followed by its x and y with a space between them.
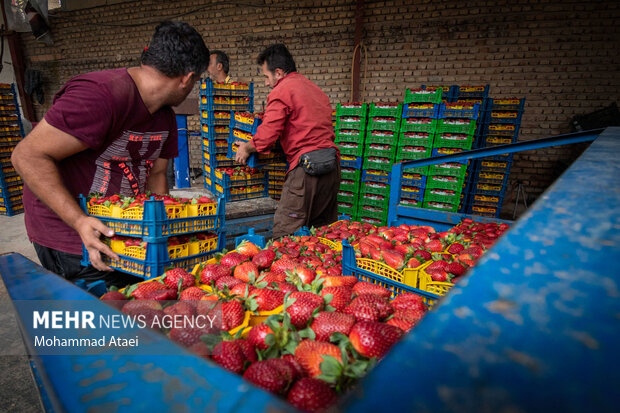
pixel 11 132
pixel 217 104
pixel 500 126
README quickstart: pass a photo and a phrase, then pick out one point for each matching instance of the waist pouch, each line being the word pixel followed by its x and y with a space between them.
pixel 319 162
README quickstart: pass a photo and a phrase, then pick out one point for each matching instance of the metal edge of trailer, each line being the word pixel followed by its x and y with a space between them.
pixel 163 377
pixel 535 326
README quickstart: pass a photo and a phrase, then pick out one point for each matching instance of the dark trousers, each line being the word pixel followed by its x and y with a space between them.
pixel 68 266
pixel 306 201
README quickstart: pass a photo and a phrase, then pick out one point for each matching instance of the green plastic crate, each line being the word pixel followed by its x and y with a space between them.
pixel 385 109
pixel 439 206
pixel 451 140
pixel 422 170
pixel 406 153
pixel 382 137
pixel 466 126
pixel 373 221
pixel 380 150
pixel 377 189
pixel 381 124
pixel 423 95
pixel 349 185
pixel 378 200
pixel 449 168
pixel 351 174
pixel 351 122
pixel 431 195
pixel 423 139
pixel 380 166
pixel 412 203
pixel 350 135
pixel 348 197
pixel 454 183
pixel 368 211
pixel 351 148
pixel 349 209
pixel 351 109
pixel 418 125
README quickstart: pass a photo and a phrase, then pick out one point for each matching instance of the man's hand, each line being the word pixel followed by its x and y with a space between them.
pixel 244 151
pixel 90 229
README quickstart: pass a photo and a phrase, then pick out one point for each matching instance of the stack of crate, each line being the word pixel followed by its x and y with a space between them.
pixel 500 126
pixel 11 132
pixel 276 173
pixel 379 155
pixel 350 135
pixel 217 101
pixel 456 125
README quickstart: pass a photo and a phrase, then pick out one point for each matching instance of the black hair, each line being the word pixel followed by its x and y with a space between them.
pixel 176 49
pixel 277 56
pixel 223 59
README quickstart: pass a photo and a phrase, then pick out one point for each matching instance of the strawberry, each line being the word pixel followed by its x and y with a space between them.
pixel 363 287
pixel 474 250
pixel 310 354
pixel 239 289
pixel 256 336
pixel 181 308
pixel 200 349
pixel 268 299
pixel 115 299
pixel 186 335
pixel 372 339
pixel 401 323
pixel 440 265
pixel 270 277
pixel 212 272
pixel 302 308
pixel 229 355
pixel 173 276
pixel 381 303
pixel 267 376
pixel 394 259
pixel 363 312
pixel 304 274
pixel 327 322
pixel 422 255
pixel 408 301
pixel 287 370
pixel 434 246
pixel 341 296
pixel 232 259
pixel 232 315
pixel 440 276
pixel 192 293
pixel 411 315
pixel 263 259
pixel 413 263
pixel 162 295
pixel 282 286
pixel 376 254
pixel 245 271
pixel 228 282
pixel 248 350
pixel 455 269
pixel 455 248
pixel 364 248
pixel 311 395
pixel 247 248
pixel 283 265
pixel 142 289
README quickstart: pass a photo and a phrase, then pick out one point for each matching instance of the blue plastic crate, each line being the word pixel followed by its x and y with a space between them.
pixel 235 123
pixel 356 164
pixel 448 92
pixel 420 181
pixel 500 129
pixel 376 176
pixel 229 196
pixel 226 182
pixel 436 152
pixel 510 117
pixel 209 88
pixel 412 195
pixel 471 92
pixel 512 104
pixel 208 118
pixel 465 113
pixel 410 111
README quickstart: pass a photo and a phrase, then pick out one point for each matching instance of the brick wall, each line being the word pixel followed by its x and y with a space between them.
pixel 561 55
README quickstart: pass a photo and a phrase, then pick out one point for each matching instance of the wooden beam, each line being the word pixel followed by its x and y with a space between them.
pixel 357 56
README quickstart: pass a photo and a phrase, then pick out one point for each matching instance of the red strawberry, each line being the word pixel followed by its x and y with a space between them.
pixel 408 301
pixel 372 339
pixel 440 276
pixel 228 354
pixel 239 289
pixel 228 282
pixel 305 274
pixel 162 295
pixel 423 255
pixel 268 299
pixel 172 278
pixel 310 354
pixel 181 308
pixel 283 265
pixel 200 349
pixel 286 369
pixel 434 246
pixel 248 349
pixel 363 312
pixel 381 303
pixel 233 258
pixel 341 296
pixel 456 269
pixel 401 323
pixel 413 263
pixel 327 322
pixel 186 335
pixel 232 315
pixel 247 248
pixel 144 288
pixel 282 286
pixel 411 315
pixel 192 293
pixel 339 280
pixel 394 259
pixel 299 371
pixel 363 287
pixel 264 259
pixel 455 248
pixel 212 272
pixel 270 277
pixel 302 308
pixel 245 270
pixel 440 265
pixel 376 254
pixel 115 299
pixel 257 335
pixel 474 250
pixel 311 395
pixel 267 376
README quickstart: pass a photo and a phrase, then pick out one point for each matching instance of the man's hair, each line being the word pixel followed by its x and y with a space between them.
pixel 277 56
pixel 176 49
pixel 223 59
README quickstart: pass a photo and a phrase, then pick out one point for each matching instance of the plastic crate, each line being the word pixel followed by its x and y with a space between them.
pixel 351 149
pixel 415 203
pixel 423 95
pixel 12 210
pixel 426 283
pixel 347 209
pixel 412 192
pixel 440 206
pixel 233 194
pixel 421 139
pixel 420 170
pixel 510 117
pixel 510 104
pixel 457 110
pixel 350 135
pixel 455 125
pixel 385 109
pixel 384 123
pixel 413 179
pixel 370 220
pixel 471 92
pixel 379 273
pixel 377 188
pixel 351 162
pixel 488 189
pixel 347 197
pixel 351 122
pixel 412 153
pixel 421 110
pixel 350 174
pixel 255 160
pixel 453 183
pixel 442 196
pixel 490 141
pixel 11 190
pixel 380 150
pixel 447 94
pixel 351 109
pixel 381 137
pixel 453 140
pixel 245 121
pixel 370 211
pixel 156 220
pixel 349 185
pixel 210 88
pixel 427 125
pixel 379 164
pixel 500 129
pixel 228 181
pixel 371 175
pixel 377 201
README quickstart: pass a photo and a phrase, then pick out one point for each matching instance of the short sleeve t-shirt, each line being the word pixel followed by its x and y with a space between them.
pixel 105 111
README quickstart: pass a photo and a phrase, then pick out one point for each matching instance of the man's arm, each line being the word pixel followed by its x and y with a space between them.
pixel 157 181
pixel 35 159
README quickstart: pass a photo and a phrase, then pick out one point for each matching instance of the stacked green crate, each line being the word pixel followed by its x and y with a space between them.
pixel 350 128
pixel 379 155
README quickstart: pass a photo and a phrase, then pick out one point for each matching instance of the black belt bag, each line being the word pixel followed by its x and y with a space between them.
pixel 319 162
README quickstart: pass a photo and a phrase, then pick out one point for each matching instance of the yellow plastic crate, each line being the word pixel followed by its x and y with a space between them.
pixel 333 245
pixel 408 276
pixel 202 246
pixel 198 210
pixel 426 283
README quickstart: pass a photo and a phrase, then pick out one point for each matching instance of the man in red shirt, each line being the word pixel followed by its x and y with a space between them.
pixel 300 115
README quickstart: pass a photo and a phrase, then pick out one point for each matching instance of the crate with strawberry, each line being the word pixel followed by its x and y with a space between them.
pixel 351 109
pixel 382 137
pixel 421 110
pixel 351 122
pixel 385 109
pixel 418 124
pixel 385 123
pixel 416 139
pixel 350 135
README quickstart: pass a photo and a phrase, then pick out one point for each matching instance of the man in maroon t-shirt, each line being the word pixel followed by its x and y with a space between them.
pixel 108 132
pixel 300 115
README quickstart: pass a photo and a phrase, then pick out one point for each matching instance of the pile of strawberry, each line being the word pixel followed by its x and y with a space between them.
pixel 138 200
pixel 308 250
pixel 241 172
pixel 352 231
